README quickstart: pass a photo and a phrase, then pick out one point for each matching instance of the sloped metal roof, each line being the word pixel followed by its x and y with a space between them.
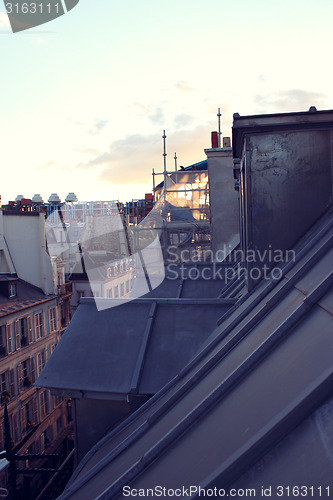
pixel 135 347
pixel 266 369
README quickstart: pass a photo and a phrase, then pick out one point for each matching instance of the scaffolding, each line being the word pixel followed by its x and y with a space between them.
pixel 181 214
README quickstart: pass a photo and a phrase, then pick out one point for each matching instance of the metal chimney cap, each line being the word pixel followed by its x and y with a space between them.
pixel 19 197
pixel 71 198
pixel 37 198
pixel 54 198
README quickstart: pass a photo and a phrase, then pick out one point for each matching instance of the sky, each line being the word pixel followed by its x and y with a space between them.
pixel 85 98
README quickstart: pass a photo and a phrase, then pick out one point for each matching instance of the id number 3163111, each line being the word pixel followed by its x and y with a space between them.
pixel 303 491
pixel 32 8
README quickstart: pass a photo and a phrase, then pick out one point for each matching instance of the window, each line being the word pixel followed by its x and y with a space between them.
pixel 25 373
pixel 127 286
pixel 43 398
pixel 57 400
pixel 15 428
pixel 53 319
pixel 121 289
pixel 109 272
pixel 23 332
pixel 3 382
pixel 10 347
pixel 109 292
pixel 116 291
pixel 30 416
pixel 38 326
pixel 40 361
pixel 12 290
pixel 4 387
pixel 12 383
pixel 3 340
pixel 60 424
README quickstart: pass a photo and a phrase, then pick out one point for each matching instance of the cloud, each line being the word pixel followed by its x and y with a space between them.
pixel 154 113
pixel 184 87
pixel 289 100
pixel 4 21
pixel 183 120
pixel 91 127
pixel 87 151
pixel 131 160
pixel 49 164
pixel 97 126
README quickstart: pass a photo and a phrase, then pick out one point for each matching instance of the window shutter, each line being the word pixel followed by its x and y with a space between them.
pixel 50 321
pixel 35 410
pixel 56 318
pixel 32 370
pixel 9 339
pixel 12 385
pixel 47 403
pixel 39 363
pixel 23 422
pixel 15 428
pixel 42 319
pixel 29 323
pixel 42 404
pixel 19 377
pixel 17 334
pixel 42 443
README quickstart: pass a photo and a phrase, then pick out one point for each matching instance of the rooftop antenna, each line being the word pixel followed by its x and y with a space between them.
pixel 175 158
pixel 165 163
pixel 219 126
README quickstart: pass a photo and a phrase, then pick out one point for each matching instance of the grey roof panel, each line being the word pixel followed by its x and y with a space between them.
pixel 97 359
pixel 304 457
pixel 177 330
pixel 108 352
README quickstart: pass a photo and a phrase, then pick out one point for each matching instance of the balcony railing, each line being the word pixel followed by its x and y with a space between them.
pixel 65 289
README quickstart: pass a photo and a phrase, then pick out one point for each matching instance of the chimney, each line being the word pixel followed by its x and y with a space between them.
pixel 284 165
pixel 215 140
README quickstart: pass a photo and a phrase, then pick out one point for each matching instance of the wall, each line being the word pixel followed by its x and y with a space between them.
pixel 286 185
pixel 25 237
pixel 224 206
pixel 92 418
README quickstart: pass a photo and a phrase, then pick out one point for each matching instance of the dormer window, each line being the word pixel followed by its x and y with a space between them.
pixel 12 290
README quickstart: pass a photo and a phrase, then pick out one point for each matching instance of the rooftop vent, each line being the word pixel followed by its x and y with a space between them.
pixel 19 197
pixel 37 198
pixel 54 198
pixel 71 198
pixel 226 142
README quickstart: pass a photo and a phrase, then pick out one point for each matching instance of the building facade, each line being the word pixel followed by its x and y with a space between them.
pixel 32 321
